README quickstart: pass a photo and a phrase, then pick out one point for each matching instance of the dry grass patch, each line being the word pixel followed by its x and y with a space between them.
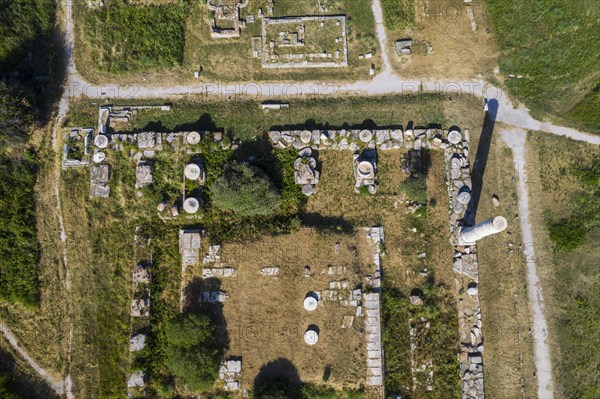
pixel 264 315
pixel 458 51
pixel 507 326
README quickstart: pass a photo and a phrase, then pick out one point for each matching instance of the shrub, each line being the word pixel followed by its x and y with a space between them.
pixel 415 188
pixel 19 247
pixel 192 351
pixel 567 234
pixel 245 190
pixel 5 389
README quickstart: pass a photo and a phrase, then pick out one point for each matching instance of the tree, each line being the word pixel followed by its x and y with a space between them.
pixel 192 352
pixel 245 190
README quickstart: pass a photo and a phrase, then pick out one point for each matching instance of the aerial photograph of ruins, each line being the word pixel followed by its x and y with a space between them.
pixel 300 199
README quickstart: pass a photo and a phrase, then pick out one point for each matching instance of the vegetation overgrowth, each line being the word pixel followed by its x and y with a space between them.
pixel 245 190
pixel 567 185
pixel 133 38
pixel 398 14
pixel 550 51
pixel 19 248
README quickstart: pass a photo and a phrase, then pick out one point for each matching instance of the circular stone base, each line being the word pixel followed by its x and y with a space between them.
pixel 192 171
pixel 191 205
pixel 464 198
pixel 193 138
pixel 101 141
pixel 311 337
pixel 99 157
pixel 454 137
pixel 310 303
pixel 308 190
pixel 365 169
pixel 305 136
pixel 365 136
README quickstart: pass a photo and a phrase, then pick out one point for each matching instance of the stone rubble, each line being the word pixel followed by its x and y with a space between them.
pixel 137 343
pixel 214 296
pixel 230 372
pixel 372 311
pixel 465 265
pixel 269 271
pixel 136 379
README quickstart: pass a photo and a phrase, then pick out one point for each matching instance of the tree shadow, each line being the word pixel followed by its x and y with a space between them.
pixel 481 159
pixel 19 382
pixel 35 69
pixel 194 293
pixel 311 124
pixel 204 123
pixel 333 224
pixel 278 379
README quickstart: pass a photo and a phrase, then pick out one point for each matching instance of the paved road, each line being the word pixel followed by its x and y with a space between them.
pixel 515 139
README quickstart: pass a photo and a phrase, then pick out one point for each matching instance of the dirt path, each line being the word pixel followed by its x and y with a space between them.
pixel 56 385
pixel 515 139
pixel 381 35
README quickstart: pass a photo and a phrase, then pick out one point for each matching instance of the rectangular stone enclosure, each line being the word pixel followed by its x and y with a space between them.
pixel 304 42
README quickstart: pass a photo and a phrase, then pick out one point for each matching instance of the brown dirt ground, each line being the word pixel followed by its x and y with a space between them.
pixel 458 51
pixel 265 316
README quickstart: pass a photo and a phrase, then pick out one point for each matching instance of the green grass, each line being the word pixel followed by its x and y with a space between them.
pixel 19 248
pixel 569 180
pixel 555 45
pixel 395 340
pixel 398 14
pixel 588 110
pixel 21 25
pixel 131 38
pixel 244 119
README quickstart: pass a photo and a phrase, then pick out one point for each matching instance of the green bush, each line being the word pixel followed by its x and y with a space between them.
pixel 415 188
pixel 245 190
pixel 5 388
pixel 192 351
pixel 21 24
pixel 567 234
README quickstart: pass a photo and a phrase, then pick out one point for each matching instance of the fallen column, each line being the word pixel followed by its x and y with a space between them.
pixel 470 235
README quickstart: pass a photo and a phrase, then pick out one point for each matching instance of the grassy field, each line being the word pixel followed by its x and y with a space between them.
pixel 554 46
pixel 127 38
pixel 152 50
pixel 564 181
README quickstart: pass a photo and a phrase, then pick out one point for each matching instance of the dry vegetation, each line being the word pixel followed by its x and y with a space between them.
pixel 264 316
pixel 458 51
pixel 507 326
